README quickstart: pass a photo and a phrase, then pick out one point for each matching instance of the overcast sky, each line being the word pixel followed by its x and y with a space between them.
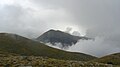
pixel 94 18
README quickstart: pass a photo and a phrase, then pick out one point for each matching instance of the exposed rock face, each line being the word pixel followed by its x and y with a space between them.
pixel 56 36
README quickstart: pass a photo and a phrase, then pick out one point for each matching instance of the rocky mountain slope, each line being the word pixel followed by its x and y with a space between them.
pixel 56 36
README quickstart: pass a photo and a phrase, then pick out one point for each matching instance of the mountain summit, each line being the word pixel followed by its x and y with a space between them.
pixel 56 36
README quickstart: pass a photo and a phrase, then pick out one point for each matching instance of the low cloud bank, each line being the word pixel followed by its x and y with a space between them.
pixel 95 47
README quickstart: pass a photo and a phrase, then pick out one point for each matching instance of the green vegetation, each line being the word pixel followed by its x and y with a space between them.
pixel 12 60
pixel 113 59
pixel 18 51
pixel 20 45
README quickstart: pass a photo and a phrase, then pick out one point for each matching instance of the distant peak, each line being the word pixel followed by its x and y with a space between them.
pixel 52 30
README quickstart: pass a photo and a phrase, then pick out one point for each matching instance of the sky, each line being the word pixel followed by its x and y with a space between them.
pixel 99 19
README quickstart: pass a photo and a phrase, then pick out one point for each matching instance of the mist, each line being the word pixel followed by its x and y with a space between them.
pixel 95 47
pixel 91 18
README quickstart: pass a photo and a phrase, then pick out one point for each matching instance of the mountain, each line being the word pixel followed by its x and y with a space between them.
pixel 13 43
pixel 113 59
pixel 56 36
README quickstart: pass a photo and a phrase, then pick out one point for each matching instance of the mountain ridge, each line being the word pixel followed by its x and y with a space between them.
pixel 57 36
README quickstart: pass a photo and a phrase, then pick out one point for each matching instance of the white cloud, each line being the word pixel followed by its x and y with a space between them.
pixel 22 17
pixel 93 18
pixel 95 47
pixel 8 2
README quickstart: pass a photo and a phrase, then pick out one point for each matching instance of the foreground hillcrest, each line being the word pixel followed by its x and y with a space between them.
pixel 113 59
pixel 14 60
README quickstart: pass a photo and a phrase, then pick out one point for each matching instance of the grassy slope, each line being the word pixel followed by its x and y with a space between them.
pixel 110 59
pixel 13 60
pixel 23 46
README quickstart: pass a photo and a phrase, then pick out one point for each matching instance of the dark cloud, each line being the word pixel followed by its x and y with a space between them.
pixel 98 19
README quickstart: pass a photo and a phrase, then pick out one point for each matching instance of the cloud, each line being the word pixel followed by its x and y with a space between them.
pixel 96 19
pixel 95 47
pixel 30 20
pixel 92 18
pixel 68 29
pixel 76 33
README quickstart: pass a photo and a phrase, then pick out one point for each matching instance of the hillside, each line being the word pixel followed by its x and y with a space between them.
pixel 113 59
pixel 23 46
pixel 13 60
pixel 56 36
